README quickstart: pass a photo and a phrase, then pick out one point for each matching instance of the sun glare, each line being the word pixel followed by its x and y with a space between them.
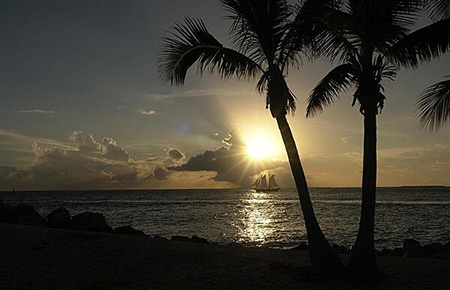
pixel 260 147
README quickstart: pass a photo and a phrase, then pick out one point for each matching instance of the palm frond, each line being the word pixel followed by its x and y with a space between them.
pixel 437 9
pixel 374 15
pixel 378 24
pixel 192 43
pixel 434 105
pixel 422 45
pixel 330 88
pixel 384 69
pixel 258 26
pixel 405 12
pixel 311 19
pixel 337 40
pixel 261 86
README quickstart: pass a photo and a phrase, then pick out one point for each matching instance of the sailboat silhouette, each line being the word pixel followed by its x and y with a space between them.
pixel 261 183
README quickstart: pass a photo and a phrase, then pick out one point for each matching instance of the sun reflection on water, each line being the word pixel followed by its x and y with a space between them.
pixel 256 219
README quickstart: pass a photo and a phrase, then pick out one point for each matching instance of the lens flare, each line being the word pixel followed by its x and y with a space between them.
pixel 260 147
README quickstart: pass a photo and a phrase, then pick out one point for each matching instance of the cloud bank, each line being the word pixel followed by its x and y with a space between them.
pixel 85 162
pixel 87 165
pixel 230 163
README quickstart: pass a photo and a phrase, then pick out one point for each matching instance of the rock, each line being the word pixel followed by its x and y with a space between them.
pixel 397 252
pixel 412 248
pixel 89 221
pixel 198 240
pixel 340 249
pixel 7 213
pixel 194 239
pixel 302 247
pixel 443 255
pixel 384 252
pixel 433 249
pixel 128 230
pixel 25 214
pixel 59 218
pixel 181 239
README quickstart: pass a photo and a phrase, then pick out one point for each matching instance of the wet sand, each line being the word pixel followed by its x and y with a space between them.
pixel 45 258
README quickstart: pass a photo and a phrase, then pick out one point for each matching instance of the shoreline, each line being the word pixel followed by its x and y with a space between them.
pixel 46 258
pixel 61 218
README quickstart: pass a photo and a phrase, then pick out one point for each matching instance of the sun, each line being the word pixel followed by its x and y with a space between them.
pixel 260 147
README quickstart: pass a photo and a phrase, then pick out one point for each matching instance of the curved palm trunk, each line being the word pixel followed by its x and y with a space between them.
pixel 363 258
pixel 324 259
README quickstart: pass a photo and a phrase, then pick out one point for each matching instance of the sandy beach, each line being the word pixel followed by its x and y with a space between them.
pixel 45 258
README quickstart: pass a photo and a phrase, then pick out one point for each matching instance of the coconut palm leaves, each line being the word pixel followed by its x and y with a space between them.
pixel 337 81
pixel 437 9
pixel 265 35
pixel 375 36
pixel 434 105
pixel 422 45
pixel 258 27
pixel 192 43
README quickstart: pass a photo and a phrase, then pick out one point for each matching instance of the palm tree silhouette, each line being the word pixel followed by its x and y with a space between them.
pixel 372 39
pixel 268 36
pixel 434 103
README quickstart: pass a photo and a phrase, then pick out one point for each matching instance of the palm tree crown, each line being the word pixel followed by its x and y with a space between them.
pixel 267 37
pixel 373 39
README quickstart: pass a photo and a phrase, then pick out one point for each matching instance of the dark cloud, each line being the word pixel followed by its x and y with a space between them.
pixel 114 152
pixel 85 144
pixel 160 173
pixel 230 162
pixel 175 154
pixel 108 148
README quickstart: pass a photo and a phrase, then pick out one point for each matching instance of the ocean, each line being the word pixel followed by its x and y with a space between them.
pixel 249 218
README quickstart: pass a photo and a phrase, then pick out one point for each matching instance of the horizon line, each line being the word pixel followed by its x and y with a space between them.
pixel 234 188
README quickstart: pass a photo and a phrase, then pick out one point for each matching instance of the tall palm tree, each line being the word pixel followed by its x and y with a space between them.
pixel 372 39
pixel 268 36
pixel 434 103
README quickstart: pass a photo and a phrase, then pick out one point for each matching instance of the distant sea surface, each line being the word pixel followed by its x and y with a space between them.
pixel 249 218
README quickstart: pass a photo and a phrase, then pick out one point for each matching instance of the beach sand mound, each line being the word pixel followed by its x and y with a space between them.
pixel 45 258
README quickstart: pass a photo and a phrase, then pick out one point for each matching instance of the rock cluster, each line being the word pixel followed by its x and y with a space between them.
pixel 411 248
pixel 23 214
pixel 193 239
pixel 128 230
pixel 60 218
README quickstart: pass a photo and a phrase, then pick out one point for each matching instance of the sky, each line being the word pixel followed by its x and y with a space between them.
pixel 83 107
